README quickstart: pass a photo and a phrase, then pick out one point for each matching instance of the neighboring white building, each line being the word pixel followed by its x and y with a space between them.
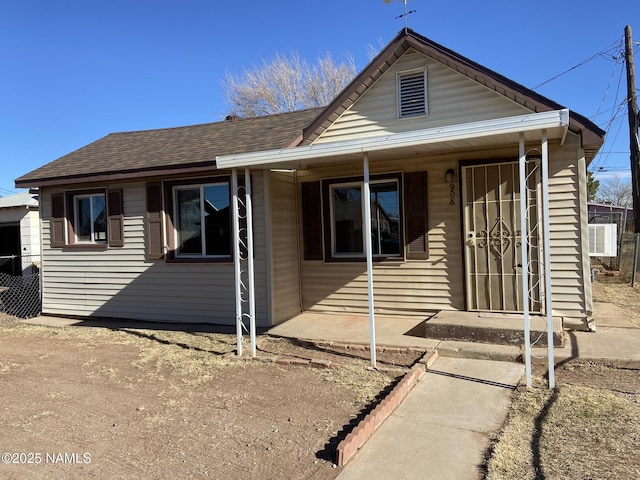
pixel 19 233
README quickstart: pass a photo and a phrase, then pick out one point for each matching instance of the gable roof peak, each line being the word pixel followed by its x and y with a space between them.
pixel 406 39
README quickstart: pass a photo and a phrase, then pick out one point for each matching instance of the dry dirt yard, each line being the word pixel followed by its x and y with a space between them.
pixel 80 402
pixel 588 429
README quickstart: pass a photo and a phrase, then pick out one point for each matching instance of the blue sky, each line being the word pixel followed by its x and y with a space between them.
pixel 72 71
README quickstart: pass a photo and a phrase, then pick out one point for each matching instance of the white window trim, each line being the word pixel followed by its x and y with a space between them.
pixel 174 193
pixel 363 204
pixel 399 76
pixel 76 219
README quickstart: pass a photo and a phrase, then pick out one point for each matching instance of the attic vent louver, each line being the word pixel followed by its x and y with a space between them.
pixel 412 93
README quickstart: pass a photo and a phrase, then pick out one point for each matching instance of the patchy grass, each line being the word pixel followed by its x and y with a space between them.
pixel 613 290
pixel 576 432
pixel 169 404
pixel 589 428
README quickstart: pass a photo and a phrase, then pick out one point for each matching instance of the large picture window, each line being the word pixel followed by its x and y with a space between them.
pixel 346 207
pixel 202 220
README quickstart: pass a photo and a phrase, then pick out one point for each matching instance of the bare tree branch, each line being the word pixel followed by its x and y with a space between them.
pixel 616 190
pixel 286 83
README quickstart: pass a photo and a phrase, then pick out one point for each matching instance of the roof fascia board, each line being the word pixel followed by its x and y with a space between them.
pixel 500 126
pixel 343 101
pixel 491 79
pixel 111 177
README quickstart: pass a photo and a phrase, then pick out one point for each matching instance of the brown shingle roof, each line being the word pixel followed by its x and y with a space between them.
pixel 171 148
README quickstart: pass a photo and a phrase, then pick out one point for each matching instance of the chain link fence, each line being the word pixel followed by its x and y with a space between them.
pixel 629 258
pixel 20 285
pixel 624 225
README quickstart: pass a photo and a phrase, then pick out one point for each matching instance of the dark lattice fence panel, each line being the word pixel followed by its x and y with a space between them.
pixel 20 285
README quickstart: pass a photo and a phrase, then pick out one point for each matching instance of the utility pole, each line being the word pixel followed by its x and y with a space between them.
pixel 634 124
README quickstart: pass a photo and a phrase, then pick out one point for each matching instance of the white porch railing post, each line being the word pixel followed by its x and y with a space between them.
pixel 524 242
pixel 251 296
pixel 366 201
pixel 547 258
pixel 236 259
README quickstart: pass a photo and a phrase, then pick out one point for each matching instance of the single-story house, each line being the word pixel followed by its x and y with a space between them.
pixel 427 167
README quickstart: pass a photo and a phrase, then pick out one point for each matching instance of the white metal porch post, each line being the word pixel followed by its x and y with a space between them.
pixel 524 245
pixel 547 258
pixel 239 237
pixel 367 245
pixel 236 259
pixel 251 297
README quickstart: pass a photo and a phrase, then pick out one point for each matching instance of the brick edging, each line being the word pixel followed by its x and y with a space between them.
pixel 292 361
pixel 348 447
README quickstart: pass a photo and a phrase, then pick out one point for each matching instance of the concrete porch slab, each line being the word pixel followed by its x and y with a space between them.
pixel 492 328
pixel 391 330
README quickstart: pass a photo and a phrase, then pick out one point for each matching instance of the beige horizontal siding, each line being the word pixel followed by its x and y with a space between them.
pixel 120 283
pixel 452 98
pixel 568 286
pixel 416 287
pixel 284 248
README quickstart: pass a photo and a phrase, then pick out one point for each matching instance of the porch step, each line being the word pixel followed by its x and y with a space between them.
pixel 493 328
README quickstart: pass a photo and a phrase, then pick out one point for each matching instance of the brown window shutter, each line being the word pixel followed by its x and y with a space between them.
pixel 415 201
pixel 115 212
pixel 312 220
pixel 58 221
pixel 155 238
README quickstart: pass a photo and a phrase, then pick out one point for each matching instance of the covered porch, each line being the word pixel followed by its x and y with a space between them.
pixel 521 134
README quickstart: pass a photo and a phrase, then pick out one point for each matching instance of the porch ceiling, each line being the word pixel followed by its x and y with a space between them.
pixel 467 136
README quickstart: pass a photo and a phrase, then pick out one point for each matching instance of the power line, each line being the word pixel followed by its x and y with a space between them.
pixel 603 156
pixel 603 161
pixel 613 151
pixel 604 53
pixel 614 52
pixel 606 92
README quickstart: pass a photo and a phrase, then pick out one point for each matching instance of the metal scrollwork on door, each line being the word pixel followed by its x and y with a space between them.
pixel 482 238
pixel 498 238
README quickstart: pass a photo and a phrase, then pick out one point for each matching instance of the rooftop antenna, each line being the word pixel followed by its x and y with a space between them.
pixel 404 15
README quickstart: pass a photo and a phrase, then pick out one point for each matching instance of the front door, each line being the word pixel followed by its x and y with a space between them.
pixel 491 199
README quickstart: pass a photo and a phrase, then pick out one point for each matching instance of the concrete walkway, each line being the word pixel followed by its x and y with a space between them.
pixel 443 428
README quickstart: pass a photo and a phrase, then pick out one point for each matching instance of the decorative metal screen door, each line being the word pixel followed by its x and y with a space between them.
pixel 491 199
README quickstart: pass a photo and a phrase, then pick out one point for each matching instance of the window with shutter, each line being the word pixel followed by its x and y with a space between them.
pixel 87 218
pixel 399 222
pixel 198 220
pixel 84 218
pixel 343 209
pixel 412 93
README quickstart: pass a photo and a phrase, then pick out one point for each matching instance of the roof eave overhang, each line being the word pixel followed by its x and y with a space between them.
pixel 500 132
pixel 104 177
